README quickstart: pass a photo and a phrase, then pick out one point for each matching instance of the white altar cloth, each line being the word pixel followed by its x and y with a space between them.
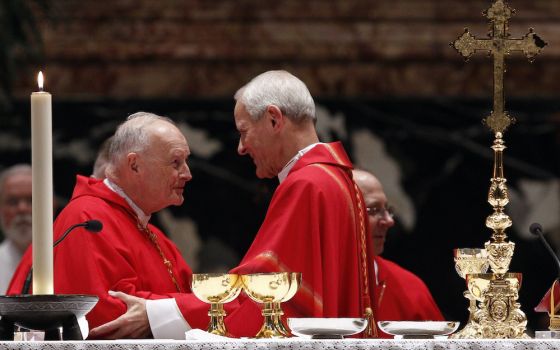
pixel 288 344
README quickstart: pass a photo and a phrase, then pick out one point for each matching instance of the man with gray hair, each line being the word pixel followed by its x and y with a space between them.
pixel 15 219
pixel 147 171
pixel 315 224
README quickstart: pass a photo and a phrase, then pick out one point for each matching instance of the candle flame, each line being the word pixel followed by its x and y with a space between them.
pixel 40 80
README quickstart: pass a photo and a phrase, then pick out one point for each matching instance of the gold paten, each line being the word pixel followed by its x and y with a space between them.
pixel 216 289
pixel 499 315
pixel 271 289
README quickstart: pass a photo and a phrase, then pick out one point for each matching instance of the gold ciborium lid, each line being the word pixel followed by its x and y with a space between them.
pixel 478 283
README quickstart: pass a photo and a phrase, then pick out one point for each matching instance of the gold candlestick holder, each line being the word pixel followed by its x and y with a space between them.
pixel 470 261
pixel 216 289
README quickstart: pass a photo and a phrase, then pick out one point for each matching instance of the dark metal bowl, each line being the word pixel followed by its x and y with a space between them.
pixel 44 311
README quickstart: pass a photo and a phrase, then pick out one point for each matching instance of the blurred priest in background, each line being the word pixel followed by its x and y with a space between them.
pixel 400 295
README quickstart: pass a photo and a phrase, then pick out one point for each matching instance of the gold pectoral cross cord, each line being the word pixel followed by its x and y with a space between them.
pixel 499 44
pixel 153 238
pixel 371 330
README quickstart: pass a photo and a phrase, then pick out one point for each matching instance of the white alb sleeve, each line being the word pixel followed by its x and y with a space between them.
pixel 166 320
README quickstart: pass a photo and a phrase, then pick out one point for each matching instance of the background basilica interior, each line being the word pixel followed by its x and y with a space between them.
pixel 387 84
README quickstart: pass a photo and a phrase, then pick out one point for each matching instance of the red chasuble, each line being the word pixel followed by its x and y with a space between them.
pixel 402 296
pixel 121 257
pixel 315 225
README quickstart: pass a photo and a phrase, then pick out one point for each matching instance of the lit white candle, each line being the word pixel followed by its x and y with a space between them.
pixel 41 162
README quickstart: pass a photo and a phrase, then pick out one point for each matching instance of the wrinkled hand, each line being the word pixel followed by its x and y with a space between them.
pixel 132 324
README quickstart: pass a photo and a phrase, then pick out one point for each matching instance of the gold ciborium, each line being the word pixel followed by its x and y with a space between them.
pixel 269 289
pixel 295 282
pixel 216 289
pixel 469 261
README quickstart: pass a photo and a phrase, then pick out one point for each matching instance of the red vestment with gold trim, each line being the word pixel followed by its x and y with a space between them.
pixel 120 257
pixel 312 226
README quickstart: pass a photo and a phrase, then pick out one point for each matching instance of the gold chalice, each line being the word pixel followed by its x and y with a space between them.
pixel 469 261
pixel 478 283
pixel 295 282
pixel 268 289
pixel 216 289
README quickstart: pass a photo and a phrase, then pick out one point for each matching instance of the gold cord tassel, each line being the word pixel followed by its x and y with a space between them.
pixel 371 329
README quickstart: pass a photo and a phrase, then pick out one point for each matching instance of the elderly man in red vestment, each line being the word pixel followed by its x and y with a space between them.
pixel 400 295
pixel 316 223
pixel 147 172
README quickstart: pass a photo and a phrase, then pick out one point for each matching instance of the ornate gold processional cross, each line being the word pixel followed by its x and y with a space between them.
pixel 497 314
pixel 499 45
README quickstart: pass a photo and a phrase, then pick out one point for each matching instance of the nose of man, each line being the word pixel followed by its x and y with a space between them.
pixel 387 220
pixel 24 205
pixel 241 148
pixel 186 174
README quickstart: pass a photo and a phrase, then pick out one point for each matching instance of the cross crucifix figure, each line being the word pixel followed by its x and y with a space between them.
pixel 499 45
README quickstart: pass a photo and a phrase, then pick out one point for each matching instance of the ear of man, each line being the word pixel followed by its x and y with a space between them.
pixel 132 160
pixel 276 117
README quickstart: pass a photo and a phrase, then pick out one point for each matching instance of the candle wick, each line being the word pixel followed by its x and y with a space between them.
pixel 41 89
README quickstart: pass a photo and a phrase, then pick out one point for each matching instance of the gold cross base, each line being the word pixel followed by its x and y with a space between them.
pixel 500 316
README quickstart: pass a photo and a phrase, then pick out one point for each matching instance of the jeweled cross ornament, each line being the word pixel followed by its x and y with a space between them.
pixel 499 45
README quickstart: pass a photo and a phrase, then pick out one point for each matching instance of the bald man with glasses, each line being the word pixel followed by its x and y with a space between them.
pixel 400 295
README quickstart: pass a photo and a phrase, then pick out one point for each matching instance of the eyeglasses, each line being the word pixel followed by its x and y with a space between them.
pixel 16 200
pixel 381 213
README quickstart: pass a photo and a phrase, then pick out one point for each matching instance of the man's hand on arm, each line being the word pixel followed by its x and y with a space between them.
pixel 132 324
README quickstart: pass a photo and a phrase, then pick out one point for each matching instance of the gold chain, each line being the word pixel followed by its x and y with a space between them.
pixel 153 238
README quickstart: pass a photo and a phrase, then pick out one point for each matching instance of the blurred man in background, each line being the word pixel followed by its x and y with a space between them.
pixel 15 219
pixel 102 160
pixel 400 295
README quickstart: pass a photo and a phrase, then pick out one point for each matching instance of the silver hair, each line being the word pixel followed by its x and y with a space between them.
pixel 279 88
pixel 132 136
pixel 11 171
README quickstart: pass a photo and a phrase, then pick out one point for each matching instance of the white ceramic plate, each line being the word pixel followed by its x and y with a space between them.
pixel 326 327
pixel 411 329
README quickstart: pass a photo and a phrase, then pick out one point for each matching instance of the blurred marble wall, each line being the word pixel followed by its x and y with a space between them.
pixel 188 48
